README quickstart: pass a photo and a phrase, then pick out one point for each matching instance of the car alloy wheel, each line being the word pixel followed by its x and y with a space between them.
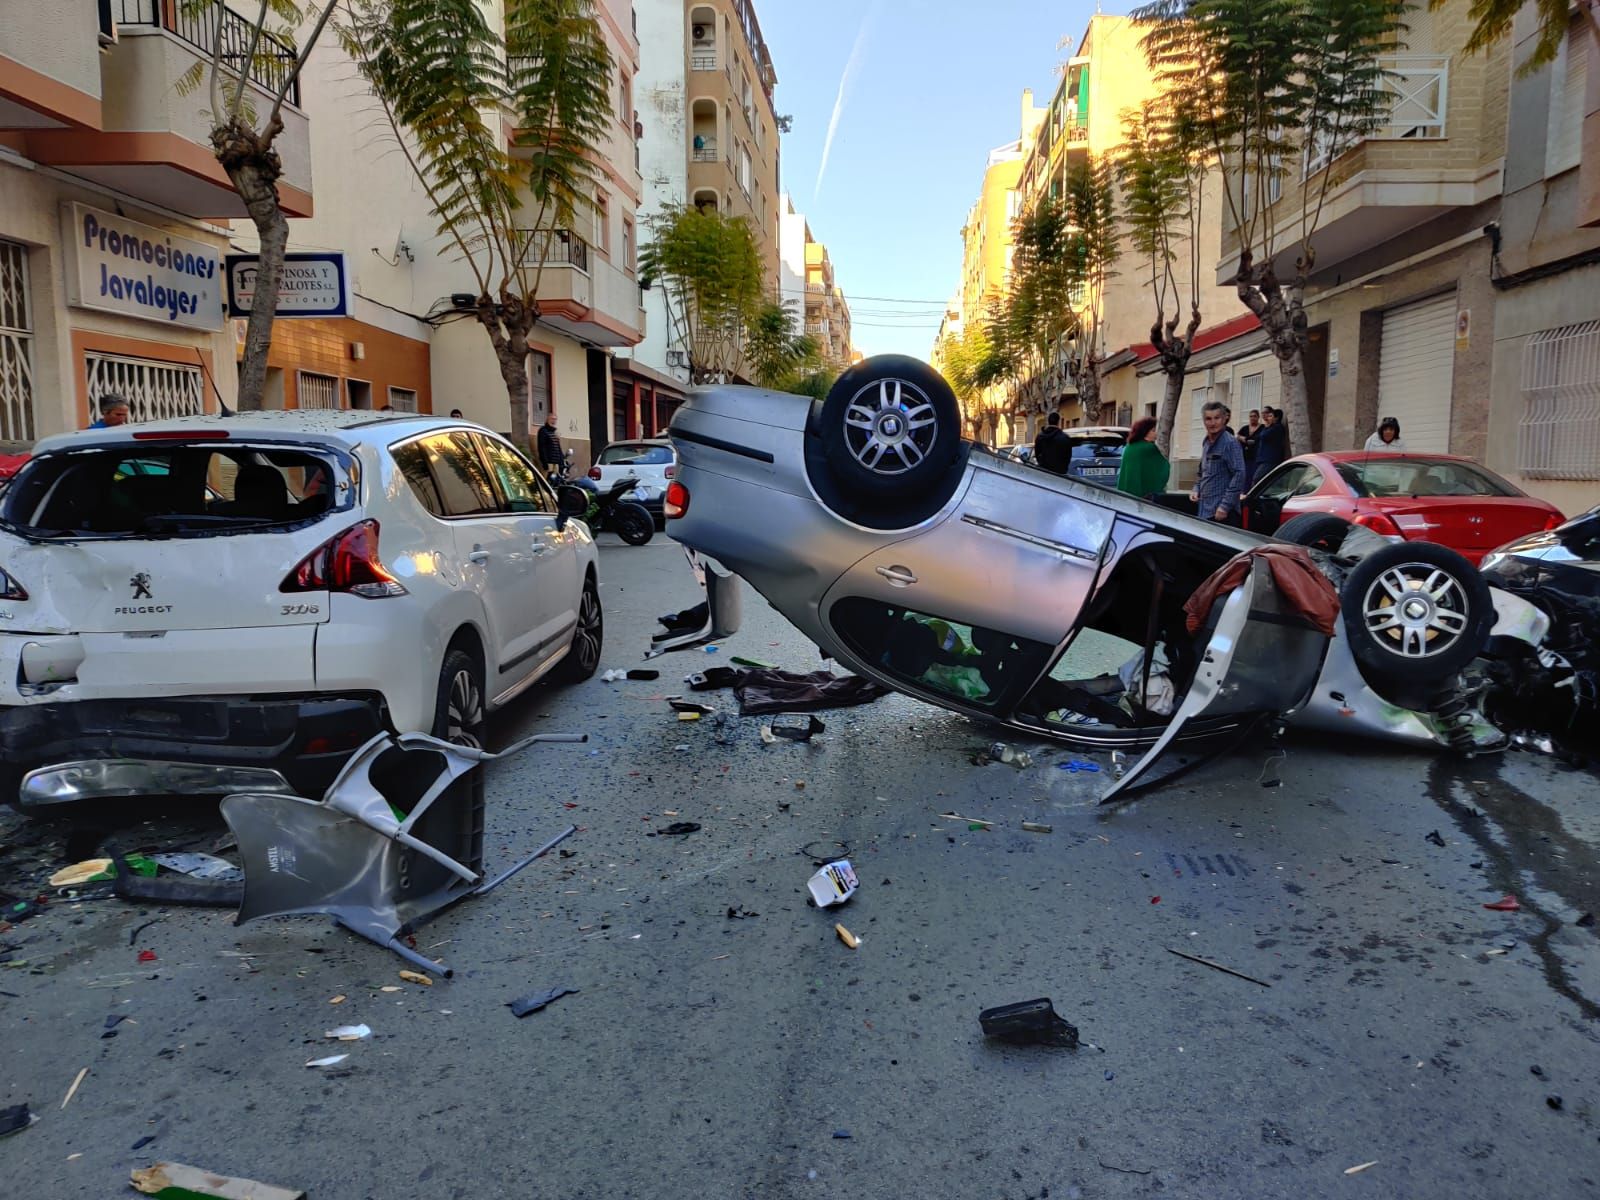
pixel 586 640
pixel 890 427
pixel 464 710
pixel 1417 608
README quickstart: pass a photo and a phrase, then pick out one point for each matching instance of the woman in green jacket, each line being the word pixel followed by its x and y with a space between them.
pixel 1144 469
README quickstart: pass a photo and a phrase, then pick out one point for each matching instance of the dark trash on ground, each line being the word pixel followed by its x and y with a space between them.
pixel 1214 965
pixel 15 1119
pixel 1435 838
pixel 762 691
pixel 1031 1022
pixel 794 727
pixel 676 829
pixel 534 1001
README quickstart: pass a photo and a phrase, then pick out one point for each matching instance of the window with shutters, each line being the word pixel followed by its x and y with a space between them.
pixel 1558 436
pixel 402 400
pixel 1250 393
pixel 16 345
pixel 316 391
pixel 154 390
pixel 1568 81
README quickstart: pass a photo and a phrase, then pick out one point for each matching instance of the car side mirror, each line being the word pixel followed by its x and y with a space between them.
pixel 571 501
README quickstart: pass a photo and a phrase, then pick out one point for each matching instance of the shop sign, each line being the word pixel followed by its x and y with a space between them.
pixel 312 285
pixel 117 265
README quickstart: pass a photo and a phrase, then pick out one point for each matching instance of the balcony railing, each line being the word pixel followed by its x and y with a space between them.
pixel 1075 130
pixel 274 58
pixel 706 152
pixel 703 62
pixel 553 247
pixel 1417 90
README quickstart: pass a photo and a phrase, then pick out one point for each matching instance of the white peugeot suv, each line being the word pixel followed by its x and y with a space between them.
pixel 224 604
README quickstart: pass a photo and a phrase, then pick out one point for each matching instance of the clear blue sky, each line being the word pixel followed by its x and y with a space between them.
pixel 935 86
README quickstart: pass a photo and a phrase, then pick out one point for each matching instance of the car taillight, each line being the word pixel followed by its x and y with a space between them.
pixel 346 562
pixel 1379 524
pixel 1554 521
pixel 10 589
pixel 676 502
pixel 594 472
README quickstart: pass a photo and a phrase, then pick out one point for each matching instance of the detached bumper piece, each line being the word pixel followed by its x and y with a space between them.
pixel 396 839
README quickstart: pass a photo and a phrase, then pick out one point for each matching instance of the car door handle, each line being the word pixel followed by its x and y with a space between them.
pixel 898 576
pixel 478 556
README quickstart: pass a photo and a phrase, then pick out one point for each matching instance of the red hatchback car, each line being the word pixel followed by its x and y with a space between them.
pixel 1419 497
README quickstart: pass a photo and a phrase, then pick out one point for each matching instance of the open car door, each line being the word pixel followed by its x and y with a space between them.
pixel 1261 659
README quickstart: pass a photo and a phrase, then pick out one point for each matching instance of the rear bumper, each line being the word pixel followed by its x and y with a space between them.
pixel 204 745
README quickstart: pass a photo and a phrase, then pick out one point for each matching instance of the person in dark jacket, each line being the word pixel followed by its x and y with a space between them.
pixel 1052 449
pixel 549 446
pixel 1272 443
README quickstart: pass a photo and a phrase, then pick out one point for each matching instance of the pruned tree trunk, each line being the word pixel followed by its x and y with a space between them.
pixel 1281 310
pixel 508 326
pixel 253 168
pixel 1175 352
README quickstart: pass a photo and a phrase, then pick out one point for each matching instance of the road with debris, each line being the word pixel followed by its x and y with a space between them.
pixel 723 1041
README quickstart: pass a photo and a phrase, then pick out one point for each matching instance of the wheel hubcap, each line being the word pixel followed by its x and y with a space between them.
pixel 464 718
pixel 890 427
pixel 1416 610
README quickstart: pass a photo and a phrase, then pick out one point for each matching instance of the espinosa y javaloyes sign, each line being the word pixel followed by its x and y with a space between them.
pixel 123 266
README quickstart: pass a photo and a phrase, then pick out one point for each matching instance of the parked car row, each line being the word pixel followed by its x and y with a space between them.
pixel 1096 452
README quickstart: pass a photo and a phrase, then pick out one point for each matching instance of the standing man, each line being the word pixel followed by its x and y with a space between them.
pixel 1272 444
pixel 113 412
pixel 550 447
pixel 1052 449
pixel 1217 491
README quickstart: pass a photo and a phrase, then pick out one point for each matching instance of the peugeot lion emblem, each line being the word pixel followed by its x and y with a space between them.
pixel 140 584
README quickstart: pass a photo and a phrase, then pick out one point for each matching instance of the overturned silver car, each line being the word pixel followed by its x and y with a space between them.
pixel 1058 608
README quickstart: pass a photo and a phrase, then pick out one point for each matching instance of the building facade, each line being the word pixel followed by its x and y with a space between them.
pixel 807 287
pixel 114 213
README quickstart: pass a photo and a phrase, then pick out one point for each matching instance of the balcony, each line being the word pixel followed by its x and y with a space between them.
pixel 702 60
pixel 1422 162
pixel 581 292
pixel 52 66
pixel 155 143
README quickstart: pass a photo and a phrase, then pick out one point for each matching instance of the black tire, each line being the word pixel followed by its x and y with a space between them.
pixel 588 639
pixel 1317 531
pixel 633 523
pixel 460 714
pixel 890 428
pixel 1445 625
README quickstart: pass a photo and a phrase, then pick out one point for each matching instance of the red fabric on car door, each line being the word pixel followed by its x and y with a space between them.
pixel 1309 592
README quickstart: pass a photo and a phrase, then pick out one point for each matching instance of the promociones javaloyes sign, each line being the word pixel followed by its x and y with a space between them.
pixel 118 265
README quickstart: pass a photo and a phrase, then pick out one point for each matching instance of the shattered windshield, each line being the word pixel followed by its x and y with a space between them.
pixel 125 491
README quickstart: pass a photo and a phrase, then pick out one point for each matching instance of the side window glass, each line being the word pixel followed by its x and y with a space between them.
pixel 518 483
pixel 463 480
pixel 1309 483
pixel 413 463
pixel 1282 485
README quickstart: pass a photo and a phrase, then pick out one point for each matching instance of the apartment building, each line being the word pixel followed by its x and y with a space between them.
pixel 1544 392
pixel 1400 305
pixel 1106 80
pixel 413 344
pixel 114 213
pixel 708 135
pixel 807 287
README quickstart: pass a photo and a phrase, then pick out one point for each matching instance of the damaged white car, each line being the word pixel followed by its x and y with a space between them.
pixel 1062 610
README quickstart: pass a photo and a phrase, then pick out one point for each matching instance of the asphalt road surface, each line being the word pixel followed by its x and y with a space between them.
pixel 710 1055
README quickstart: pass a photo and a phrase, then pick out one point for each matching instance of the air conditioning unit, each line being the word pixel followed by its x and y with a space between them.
pixel 699 33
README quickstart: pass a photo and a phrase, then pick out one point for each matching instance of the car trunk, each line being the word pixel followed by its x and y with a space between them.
pixel 1471 525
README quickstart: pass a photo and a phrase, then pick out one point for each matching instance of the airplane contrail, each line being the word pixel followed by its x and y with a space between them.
pixel 856 54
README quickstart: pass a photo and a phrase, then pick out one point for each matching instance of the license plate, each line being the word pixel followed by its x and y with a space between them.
pixel 1100 472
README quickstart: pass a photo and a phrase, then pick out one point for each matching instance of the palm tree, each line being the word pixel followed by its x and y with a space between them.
pixel 445 78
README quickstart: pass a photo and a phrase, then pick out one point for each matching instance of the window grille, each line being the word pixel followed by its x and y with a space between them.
pixel 1558 436
pixel 154 390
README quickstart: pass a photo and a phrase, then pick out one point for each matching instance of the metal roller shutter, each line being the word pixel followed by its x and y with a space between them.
pixel 1416 371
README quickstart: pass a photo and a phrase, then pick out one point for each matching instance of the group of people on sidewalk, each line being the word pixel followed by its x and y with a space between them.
pixel 1230 463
